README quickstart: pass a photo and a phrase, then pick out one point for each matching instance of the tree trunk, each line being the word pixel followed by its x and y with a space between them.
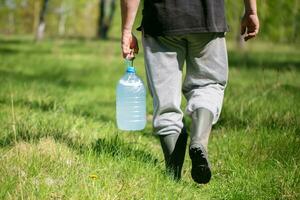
pixel 35 17
pixel 42 25
pixel 62 24
pixel 105 17
pixel 295 21
pixel 62 18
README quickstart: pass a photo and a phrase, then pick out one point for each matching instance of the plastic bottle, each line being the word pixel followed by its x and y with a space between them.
pixel 131 101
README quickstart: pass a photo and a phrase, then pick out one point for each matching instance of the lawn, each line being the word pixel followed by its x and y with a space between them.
pixel 58 135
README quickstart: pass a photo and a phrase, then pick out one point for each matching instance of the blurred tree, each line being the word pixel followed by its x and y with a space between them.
pixel 236 13
pixel 11 5
pixel 107 9
pixel 280 19
pixel 296 20
pixel 41 26
pixel 62 12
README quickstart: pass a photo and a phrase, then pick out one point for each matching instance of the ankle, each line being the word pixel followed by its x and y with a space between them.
pixel 195 145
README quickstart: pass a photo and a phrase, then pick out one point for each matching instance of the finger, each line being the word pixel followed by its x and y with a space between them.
pixel 126 55
pixel 125 51
pixel 252 33
pixel 136 50
pixel 130 55
pixel 125 48
pixel 249 36
pixel 243 29
pixel 251 29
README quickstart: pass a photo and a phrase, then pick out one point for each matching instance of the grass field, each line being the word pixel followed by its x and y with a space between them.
pixel 58 136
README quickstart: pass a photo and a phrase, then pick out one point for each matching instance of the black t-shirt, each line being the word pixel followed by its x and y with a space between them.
pixel 174 17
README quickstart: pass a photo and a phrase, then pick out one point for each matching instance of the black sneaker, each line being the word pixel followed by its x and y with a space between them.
pixel 201 172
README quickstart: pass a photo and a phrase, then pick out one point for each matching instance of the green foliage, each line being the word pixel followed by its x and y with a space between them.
pixel 280 19
pixel 58 138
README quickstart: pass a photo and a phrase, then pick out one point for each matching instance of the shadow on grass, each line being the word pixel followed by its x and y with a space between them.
pixel 113 146
pixel 65 45
pixel 19 41
pixel 57 78
pixel 291 90
pixel 269 60
pixel 12 51
pixel 92 111
pixel 231 121
pixel 118 148
pixel 8 51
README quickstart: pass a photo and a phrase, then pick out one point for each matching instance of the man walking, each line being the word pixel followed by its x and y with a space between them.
pixel 174 32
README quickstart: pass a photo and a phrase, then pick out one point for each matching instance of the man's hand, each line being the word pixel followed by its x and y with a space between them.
pixel 250 22
pixel 129 45
pixel 129 42
pixel 249 26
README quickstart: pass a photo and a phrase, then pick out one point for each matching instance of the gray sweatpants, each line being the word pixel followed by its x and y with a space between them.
pixel 203 86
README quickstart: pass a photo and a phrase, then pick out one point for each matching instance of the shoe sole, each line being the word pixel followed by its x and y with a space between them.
pixel 200 172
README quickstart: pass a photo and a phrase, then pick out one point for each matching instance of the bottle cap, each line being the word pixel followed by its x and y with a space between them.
pixel 130 69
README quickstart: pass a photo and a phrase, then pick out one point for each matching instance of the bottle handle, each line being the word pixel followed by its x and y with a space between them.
pixel 129 65
pixel 129 62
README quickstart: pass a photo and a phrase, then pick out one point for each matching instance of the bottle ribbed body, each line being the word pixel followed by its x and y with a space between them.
pixel 131 103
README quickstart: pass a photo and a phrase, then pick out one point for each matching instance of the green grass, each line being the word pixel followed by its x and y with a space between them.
pixel 58 138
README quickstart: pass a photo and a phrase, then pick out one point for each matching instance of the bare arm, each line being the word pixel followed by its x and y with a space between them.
pixel 250 6
pixel 250 21
pixel 129 42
